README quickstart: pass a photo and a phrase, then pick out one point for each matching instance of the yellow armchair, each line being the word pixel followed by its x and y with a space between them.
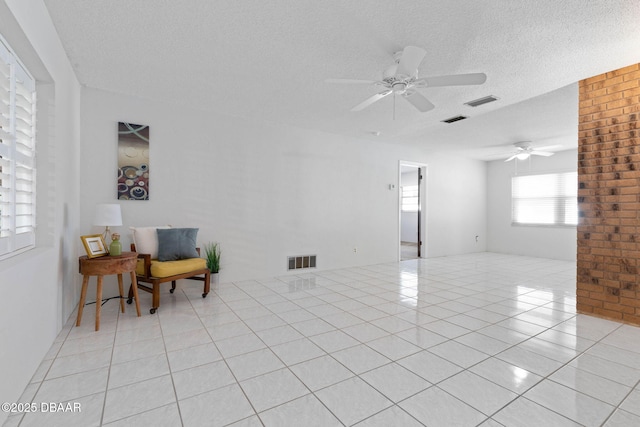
pixel 156 272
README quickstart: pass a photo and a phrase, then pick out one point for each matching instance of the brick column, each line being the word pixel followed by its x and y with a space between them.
pixel 608 257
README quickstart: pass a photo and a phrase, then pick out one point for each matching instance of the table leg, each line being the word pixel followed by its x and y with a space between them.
pixel 83 295
pixel 134 287
pixel 121 292
pixel 98 302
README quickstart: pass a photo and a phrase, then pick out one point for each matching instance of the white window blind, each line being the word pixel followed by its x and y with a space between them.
pixel 17 155
pixel 548 199
pixel 410 198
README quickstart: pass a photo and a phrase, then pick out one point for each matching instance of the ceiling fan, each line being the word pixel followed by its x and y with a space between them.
pixel 524 150
pixel 401 78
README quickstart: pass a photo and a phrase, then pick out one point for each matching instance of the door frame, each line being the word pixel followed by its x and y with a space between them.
pixel 422 209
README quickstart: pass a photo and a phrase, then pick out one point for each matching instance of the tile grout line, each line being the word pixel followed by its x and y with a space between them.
pixel 347 289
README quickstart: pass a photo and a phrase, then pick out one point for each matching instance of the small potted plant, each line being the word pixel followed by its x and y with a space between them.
pixel 212 254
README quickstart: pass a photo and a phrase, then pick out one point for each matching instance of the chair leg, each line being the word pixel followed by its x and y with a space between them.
pixel 130 297
pixel 155 298
pixel 173 286
pixel 207 284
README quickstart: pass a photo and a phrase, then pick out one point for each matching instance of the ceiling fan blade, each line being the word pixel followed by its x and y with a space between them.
pixel 411 58
pixel 417 100
pixel 548 147
pixel 541 153
pixel 511 158
pixel 452 80
pixel 351 81
pixel 364 104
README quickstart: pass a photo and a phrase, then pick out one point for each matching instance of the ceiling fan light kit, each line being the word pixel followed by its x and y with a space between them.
pixel 401 78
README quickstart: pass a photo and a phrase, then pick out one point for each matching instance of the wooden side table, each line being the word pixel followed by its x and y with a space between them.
pixel 102 266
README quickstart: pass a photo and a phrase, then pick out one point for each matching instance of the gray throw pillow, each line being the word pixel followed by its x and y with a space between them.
pixel 177 243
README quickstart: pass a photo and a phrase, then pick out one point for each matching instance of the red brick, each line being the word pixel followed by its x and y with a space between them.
pixel 605 99
pixel 630 84
pixel 604 297
pixel 611 314
pixel 590 94
pixel 634 319
pixel 618 307
pixel 594 79
pixel 598 108
pixel 631 76
pixel 632 92
pixel 624 70
pixel 630 302
pixel 611 81
pixel 607 114
pixel 591 302
pixel 608 246
pixel 591 288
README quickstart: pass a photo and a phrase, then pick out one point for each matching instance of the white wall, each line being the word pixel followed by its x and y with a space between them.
pixel 547 242
pixel 40 288
pixel 456 206
pixel 262 191
pixel 266 192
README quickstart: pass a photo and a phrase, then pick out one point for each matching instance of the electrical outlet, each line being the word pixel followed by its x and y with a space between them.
pixel 355 250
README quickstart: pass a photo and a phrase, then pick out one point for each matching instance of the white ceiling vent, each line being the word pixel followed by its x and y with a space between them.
pixel 481 101
pixel 454 119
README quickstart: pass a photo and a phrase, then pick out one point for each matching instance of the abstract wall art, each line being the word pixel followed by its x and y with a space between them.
pixel 133 161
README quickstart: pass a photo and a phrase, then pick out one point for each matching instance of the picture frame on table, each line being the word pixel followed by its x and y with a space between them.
pixel 94 245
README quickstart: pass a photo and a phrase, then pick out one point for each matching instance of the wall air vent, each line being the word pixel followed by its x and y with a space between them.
pixel 454 119
pixel 302 261
pixel 481 101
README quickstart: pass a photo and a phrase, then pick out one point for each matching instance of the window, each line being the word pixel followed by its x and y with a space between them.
pixel 17 155
pixel 410 198
pixel 549 199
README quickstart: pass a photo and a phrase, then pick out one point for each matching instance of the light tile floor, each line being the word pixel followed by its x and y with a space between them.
pixel 408 251
pixel 482 339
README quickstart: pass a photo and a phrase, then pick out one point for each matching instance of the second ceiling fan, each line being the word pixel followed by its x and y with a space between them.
pixel 525 150
pixel 402 79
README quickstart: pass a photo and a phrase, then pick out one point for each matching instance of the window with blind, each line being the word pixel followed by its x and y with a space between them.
pixel 547 200
pixel 17 155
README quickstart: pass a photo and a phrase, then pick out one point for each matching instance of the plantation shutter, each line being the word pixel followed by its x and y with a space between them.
pixel 17 155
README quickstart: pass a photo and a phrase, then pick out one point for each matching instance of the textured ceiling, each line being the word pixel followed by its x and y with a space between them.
pixel 268 61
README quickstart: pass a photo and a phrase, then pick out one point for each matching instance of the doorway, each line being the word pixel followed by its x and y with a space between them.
pixel 412 202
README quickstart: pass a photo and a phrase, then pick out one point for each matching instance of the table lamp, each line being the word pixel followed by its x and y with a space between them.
pixel 108 215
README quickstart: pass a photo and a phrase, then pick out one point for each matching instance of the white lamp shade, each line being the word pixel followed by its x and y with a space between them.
pixel 108 214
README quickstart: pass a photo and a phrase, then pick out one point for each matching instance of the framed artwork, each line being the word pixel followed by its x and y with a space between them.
pixel 133 161
pixel 94 245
